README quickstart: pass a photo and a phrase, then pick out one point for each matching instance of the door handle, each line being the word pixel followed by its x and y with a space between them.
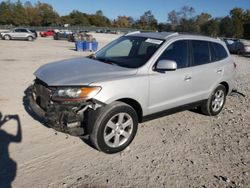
pixel 187 78
pixel 219 71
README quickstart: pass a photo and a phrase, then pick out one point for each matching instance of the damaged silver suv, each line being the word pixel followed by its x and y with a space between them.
pixel 130 80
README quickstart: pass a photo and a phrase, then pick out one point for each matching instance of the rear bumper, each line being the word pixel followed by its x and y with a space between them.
pixel 66 118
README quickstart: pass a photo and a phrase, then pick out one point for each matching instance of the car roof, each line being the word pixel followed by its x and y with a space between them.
pixel 156 35
pixel 168 35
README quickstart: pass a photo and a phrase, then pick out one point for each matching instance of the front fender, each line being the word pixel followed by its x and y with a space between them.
pixel 135 88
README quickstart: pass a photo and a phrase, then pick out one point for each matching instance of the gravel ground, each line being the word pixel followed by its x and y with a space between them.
pixel 185 149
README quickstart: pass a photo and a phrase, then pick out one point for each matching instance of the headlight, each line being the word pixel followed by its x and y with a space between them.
pixel 74 94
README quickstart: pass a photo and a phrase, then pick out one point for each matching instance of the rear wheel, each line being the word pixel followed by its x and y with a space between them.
pixel 216 101
pixel 7 37
pixel 114 128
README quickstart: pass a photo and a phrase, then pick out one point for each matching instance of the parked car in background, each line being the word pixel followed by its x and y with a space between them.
pixel 19 34
pixel 34 31
pixel 133 78
pixel 63 35
pixel 80 36
pixel 49 32
pixel 244 47
pixel 238 46
pixel 231 44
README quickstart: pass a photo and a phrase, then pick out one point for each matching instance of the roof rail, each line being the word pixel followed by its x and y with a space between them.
pixel 133 32
pixel 171 35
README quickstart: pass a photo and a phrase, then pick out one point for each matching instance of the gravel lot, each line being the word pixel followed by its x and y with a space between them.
pixel 185 149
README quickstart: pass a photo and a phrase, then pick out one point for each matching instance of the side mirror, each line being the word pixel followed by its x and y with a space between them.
pixel 166 65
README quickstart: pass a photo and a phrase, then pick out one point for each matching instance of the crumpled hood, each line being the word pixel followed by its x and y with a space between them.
pixel 79 71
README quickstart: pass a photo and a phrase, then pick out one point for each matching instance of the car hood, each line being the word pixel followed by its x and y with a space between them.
pixel 80 71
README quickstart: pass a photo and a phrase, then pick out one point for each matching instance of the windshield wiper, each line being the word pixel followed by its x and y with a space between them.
pixel 92 56
pixel 108 61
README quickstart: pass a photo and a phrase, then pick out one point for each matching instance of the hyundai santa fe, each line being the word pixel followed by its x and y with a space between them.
pixel 139 75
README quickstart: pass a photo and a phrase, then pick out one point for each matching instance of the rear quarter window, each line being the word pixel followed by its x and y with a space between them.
pixel 218 52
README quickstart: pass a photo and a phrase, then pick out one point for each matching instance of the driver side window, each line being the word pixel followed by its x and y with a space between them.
pixel 178 52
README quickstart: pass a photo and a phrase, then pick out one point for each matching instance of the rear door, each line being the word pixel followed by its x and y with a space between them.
pixel 207 70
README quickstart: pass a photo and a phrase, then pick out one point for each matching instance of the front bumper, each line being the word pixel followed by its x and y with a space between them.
pixel 66 118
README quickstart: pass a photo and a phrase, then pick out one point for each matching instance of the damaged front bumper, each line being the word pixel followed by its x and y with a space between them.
pixel 67 117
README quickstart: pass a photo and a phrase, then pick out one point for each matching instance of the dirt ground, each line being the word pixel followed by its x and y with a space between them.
pixel 185 149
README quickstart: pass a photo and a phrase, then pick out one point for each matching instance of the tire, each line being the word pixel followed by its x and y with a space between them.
pixel 29 38
pixel 216 102
pixel 114 127
pixel 7 37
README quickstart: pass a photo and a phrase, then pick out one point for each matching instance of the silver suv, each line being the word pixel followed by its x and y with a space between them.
pixel 18 33
pixel 130 80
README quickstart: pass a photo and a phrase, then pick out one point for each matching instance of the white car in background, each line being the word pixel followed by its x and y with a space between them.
pixel 19 34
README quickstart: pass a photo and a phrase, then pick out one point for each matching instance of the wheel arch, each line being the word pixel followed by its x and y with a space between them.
pixel 6 35
pixel 135 105
pixel 226 85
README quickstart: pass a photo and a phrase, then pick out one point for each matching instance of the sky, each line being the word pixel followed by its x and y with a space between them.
pixel 136 8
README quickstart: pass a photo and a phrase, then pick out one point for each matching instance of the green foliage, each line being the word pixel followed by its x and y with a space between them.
pixel 147 21
pixel 187 25
pixel 236 24
pixel 211 28
pixel 226 27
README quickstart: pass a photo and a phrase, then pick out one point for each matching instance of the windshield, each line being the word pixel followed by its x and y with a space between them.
pixel 129 51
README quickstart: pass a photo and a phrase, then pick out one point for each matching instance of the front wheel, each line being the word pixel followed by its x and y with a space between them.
pixel 216 101
pixel 7 37
pixel 114 128
pixel 30 38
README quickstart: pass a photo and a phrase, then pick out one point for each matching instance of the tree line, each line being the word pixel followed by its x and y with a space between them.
pixel 236 24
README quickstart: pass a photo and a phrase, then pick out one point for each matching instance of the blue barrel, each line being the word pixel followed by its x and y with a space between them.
pixel 79 46
pixel 86 46
pixel 94 46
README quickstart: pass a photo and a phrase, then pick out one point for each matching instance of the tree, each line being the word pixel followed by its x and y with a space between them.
pixel 5 12
pixel 187 25
pixel 19 15
pixel 147 21
pixel 47 14
pixel 186 12
pixel 246 24
pixel 76 18
pixel 165 27
pixel 203 18
pixel 238 28
pixel 173 17
pixel 211 28
pixel 123 22
pixel 237 15
pixel 182 20
pixel 99 13
pixel 226 27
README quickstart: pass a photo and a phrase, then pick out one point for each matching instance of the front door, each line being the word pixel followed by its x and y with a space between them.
pixel 170 89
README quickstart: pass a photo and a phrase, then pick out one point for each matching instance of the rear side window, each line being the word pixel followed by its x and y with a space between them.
pixel 178 52
pixel 200 52
pixel 21 30
pixel 218 52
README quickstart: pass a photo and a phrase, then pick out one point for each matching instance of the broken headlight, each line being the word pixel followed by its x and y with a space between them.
pixel 75 93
